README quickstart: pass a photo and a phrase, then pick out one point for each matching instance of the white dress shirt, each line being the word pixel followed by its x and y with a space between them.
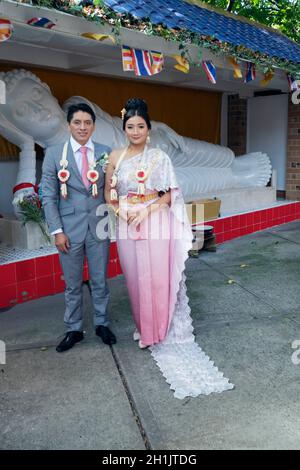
pixel 78 159
pixel 77 153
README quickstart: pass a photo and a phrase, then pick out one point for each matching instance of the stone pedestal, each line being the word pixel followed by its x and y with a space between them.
pixel 29 236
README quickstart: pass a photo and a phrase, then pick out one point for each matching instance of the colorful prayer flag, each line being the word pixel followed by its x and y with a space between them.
pixel 41 23
pixel 6 29
pixel 250 72
pixel 127 58
pixel 157 60
pixel 210 70
pixel 237 73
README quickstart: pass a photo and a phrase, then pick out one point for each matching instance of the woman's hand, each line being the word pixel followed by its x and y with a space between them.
pixel 123 214
pixel 135 218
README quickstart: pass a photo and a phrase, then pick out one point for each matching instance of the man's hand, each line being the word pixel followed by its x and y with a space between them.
pixel 62 242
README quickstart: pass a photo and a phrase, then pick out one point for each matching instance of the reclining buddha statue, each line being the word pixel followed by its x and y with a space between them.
pixel 33 115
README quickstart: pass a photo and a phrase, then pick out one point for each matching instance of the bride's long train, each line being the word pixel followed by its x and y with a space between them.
pixel 187 369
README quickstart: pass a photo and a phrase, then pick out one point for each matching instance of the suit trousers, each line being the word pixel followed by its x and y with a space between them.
pixel 97 253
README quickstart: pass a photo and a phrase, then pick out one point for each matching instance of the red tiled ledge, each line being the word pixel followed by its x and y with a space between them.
pixel 26 280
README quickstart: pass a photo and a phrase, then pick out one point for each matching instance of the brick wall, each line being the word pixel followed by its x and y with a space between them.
pixel 293 153
pixel 237 124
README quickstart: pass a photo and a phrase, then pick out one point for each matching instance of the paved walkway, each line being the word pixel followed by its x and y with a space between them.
pixel 96 397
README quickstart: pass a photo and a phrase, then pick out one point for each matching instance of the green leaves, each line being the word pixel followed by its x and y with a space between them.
pixel 283 15
pixel 98 3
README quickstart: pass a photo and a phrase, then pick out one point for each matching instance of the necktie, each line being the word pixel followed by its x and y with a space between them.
pixel 85 167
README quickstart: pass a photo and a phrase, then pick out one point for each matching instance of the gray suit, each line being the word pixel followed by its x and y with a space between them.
pixel 78 217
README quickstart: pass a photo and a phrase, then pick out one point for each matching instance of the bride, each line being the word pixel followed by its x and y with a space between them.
pixel 153 239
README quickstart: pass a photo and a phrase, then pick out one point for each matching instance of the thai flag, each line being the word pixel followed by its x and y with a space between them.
pixel 250 72
pixel 210 70
pixel 292 82
pixel 127 58
pixel 141 62
pixel 41 23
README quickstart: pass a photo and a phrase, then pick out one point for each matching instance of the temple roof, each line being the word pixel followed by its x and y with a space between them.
pixel 201 19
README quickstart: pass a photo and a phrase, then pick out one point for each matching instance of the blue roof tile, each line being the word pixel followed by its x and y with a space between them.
pixel 182 15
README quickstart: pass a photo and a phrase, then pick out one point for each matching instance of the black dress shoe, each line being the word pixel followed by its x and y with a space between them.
pixel 71 338
pixel 106 335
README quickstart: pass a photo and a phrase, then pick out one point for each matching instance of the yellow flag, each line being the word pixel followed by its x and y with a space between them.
pixel 99 37
pixel 237 73
pixel 183 65
pixel 267 78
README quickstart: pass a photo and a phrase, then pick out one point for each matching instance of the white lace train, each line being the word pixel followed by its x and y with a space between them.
pixel 187 369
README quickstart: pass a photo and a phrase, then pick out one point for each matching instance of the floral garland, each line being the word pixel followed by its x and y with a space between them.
pixel 99 12
pixel 92 174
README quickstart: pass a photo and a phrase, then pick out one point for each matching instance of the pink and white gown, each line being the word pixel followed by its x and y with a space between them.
pixel 153 257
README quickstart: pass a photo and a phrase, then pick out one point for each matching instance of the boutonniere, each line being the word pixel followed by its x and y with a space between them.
pixel 102 161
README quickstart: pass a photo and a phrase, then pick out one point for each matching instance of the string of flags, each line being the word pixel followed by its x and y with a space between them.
pixel 148 62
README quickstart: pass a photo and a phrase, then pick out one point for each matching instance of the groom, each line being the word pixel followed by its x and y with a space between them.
pixel 73 219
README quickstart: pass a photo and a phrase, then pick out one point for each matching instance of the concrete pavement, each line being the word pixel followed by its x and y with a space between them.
pixel 96 397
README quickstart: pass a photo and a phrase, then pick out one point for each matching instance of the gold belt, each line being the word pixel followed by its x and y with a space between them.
pixel 140 198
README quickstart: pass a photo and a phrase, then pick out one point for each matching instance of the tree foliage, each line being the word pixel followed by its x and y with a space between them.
pixel 283 15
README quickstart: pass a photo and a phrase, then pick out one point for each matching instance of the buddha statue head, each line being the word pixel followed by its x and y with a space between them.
pixel 31 107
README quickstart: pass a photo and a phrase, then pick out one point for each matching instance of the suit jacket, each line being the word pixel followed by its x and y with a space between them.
pixel 79 211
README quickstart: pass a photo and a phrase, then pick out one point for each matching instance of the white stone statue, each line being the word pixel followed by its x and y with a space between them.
pixel 32 115
pixel 201 167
